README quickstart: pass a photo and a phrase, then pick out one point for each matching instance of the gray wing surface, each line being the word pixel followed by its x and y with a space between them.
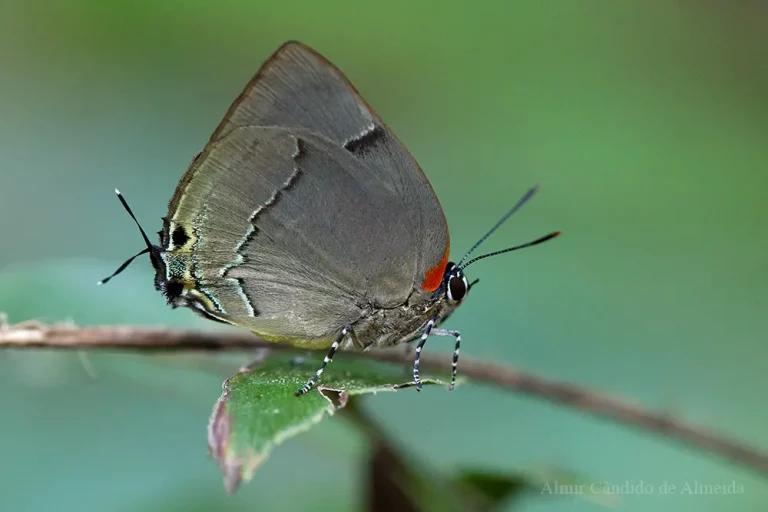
pixel 299 89
pixel 311 208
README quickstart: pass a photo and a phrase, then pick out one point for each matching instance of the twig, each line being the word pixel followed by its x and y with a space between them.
pixel 34 335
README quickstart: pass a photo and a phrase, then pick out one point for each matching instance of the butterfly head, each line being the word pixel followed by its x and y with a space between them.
pixel 171 288
pixel 455 286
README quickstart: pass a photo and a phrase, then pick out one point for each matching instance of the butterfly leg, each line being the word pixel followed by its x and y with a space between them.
pixel 419 346
pixel 327 359
pixel 455 361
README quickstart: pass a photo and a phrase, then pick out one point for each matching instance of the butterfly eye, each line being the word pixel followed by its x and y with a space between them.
pixel 457 288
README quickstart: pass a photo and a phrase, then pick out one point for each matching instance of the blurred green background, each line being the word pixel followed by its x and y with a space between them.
pixel 646 123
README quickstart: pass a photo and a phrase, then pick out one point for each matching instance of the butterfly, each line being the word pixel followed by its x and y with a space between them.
pixel 305 220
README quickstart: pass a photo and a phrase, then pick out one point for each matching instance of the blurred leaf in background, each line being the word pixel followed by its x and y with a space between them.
pixel 645 123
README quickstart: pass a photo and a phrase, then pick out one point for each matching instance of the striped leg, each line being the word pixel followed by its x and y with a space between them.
pixel 311 383
pixel 455 362
pixel 419 346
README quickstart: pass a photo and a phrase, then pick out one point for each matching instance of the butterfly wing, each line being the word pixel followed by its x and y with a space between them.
pixel 303 209
pixel 297 88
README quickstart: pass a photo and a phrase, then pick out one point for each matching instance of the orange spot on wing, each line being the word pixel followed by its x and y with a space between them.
pixel 434 276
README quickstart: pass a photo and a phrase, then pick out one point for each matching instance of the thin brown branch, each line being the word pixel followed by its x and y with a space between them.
pixel 34 335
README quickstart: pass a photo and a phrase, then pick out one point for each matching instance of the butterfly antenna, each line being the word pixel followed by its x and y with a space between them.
pixel 149 247
pixel 128 209
pixel 123 266
pixel 507 215
pixel 510 249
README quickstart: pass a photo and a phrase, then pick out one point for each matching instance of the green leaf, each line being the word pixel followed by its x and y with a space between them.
pixel 258 410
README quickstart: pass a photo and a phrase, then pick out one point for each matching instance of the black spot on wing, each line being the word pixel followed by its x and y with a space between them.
pixel 366 140
pixel 172 289
pixel 180 237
